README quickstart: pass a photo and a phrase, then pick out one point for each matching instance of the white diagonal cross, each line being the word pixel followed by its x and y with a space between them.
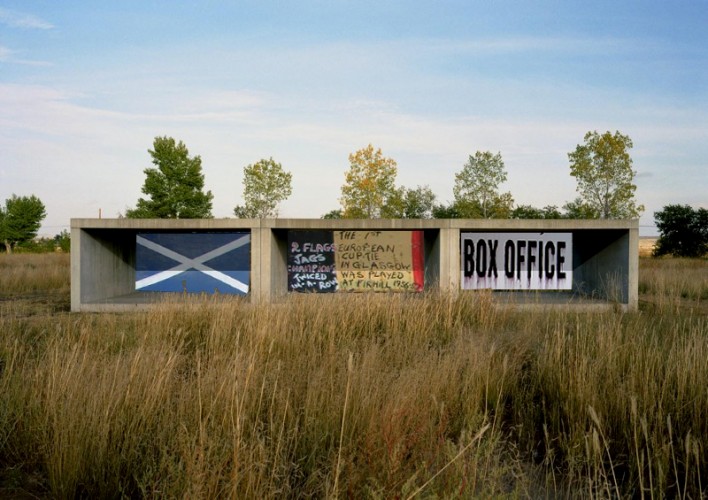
pixel 197 263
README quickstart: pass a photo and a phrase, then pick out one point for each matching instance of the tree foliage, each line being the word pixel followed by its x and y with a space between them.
pixel 63 241
pixel 531 212
pixel 445 211
pixel 683 231
pixel 175 188
pixel 476 188
pixel 265 184
pixel 602 168
pixel 369 184
pixel 579 209
pixel 407 203
pixel 20 220
pixel 333 214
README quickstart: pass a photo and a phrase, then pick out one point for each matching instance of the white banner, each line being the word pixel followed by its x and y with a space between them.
pixel 516 261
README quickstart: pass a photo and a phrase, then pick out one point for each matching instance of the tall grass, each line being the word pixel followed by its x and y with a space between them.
pixel 354 396
pixel 22 273
pixel 673 284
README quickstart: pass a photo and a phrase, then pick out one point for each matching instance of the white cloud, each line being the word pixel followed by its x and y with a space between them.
pixel 9 56
pixel 16 19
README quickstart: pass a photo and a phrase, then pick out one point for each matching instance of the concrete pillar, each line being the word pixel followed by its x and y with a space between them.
pixel 449 259
pixel 259 290
pixel 633 278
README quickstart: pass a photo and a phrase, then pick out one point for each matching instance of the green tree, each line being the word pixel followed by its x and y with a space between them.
pixel 445 211
pixel 603 171
pixel 407 203
pixel 369 183
pixel 20 220
pixel 551 212
pixel 175 187
pixel 265 185
pixel 526 212
pixel 578 209
pixel 63 241
pixel 333 214
pixel 531 212
pixel 683 231
pixel 476 188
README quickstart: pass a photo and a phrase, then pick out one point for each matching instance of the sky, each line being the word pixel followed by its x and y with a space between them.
pixel 85 87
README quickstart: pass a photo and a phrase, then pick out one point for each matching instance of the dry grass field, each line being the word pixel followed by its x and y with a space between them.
pixel 365 396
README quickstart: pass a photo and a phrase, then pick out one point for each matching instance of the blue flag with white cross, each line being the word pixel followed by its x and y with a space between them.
pixel 193 262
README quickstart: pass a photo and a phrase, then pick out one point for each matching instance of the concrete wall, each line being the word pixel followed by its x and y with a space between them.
pixel 102 265
pixel 605 254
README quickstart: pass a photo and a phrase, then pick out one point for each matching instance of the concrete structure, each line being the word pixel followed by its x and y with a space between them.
pixel 605 257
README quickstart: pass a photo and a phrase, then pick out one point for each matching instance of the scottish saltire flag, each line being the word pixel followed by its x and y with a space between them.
pixel 193 262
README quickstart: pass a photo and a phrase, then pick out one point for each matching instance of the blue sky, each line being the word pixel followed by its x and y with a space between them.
pixel 86 86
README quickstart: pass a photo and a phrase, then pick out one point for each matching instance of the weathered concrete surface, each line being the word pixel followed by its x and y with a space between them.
pixel 605 256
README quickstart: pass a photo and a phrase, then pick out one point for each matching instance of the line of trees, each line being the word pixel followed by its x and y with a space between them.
pixel 174 187
pixel 602 166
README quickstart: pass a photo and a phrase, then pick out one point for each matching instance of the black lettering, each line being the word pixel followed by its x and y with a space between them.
pixel 468 258
pixel 540 259
pixel 481 258
pixel 560 260
pixel 493 244
pixel 509 259
pixel 520 258
pixel 549 253
pixel 531 258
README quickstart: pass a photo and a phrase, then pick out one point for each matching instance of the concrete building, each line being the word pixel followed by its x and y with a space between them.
pixel 590 264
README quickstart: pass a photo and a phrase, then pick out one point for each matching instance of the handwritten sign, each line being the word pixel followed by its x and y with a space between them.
pixel 517 261
pixel 311 265
pixel 358 261
pixel 379 261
